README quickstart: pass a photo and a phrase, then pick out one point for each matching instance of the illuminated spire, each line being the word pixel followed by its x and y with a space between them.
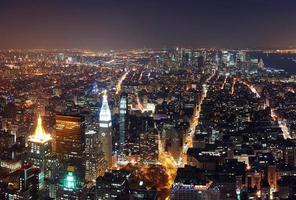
pixel 70 181
pixel 39 135
pixel 105 113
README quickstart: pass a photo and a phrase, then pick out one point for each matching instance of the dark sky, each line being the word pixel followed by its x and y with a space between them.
pixel 111 24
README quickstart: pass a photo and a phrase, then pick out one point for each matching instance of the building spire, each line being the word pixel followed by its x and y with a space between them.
pixel 105 113
pixel 39 135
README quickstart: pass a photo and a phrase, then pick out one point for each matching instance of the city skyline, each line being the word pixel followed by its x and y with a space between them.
pixel 178 124
pixel 148 100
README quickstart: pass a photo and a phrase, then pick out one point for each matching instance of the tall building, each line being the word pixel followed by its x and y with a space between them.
pixel 217 57
pixel 200 61
pixel 70 186
pixel 241 56
pixel 53 169
pixel 186 57
pixel 123 112
pixel 261 63
pixel 105 130
pixel 95 164
pixel 69 141
pixel 39 150
pixel 225 57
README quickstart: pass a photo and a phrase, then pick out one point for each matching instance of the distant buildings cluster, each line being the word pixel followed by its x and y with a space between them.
pixel 145 124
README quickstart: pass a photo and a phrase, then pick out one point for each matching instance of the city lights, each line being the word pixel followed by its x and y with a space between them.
pixel 147 100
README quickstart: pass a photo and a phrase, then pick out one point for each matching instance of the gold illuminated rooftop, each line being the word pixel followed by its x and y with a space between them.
pixel 39 136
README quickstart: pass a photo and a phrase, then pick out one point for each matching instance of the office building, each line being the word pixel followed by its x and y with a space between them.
pixel 70 186
pixel 95 164
pixel 39 150
pixel 123 112
pixel 69 141
pixel 149 144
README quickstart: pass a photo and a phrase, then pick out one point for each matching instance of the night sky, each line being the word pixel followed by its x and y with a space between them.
pixel 113 24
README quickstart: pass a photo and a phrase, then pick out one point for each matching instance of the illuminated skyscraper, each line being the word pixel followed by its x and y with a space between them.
pixel 241 56
pixel 149 144
pixel 95 164
pixel 261 64
pixel 123 111
pixel 225 57
pixel 69 141
pixel 105 125
pixel 217 58
pixel 231 59
pixel 39 150
pixel 70 185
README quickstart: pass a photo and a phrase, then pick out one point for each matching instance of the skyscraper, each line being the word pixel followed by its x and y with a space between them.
pixel 105 125
pixel 69 141
pixel 261 63
pixel 241 56
pixel 70 185
pixel 95 164
pixel 39 149
pixel 123 111
pixel 225 57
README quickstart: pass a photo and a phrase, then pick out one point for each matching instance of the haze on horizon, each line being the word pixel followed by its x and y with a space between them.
pixel 113 24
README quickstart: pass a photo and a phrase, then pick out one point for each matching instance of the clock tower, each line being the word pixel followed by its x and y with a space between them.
pixel 105 130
